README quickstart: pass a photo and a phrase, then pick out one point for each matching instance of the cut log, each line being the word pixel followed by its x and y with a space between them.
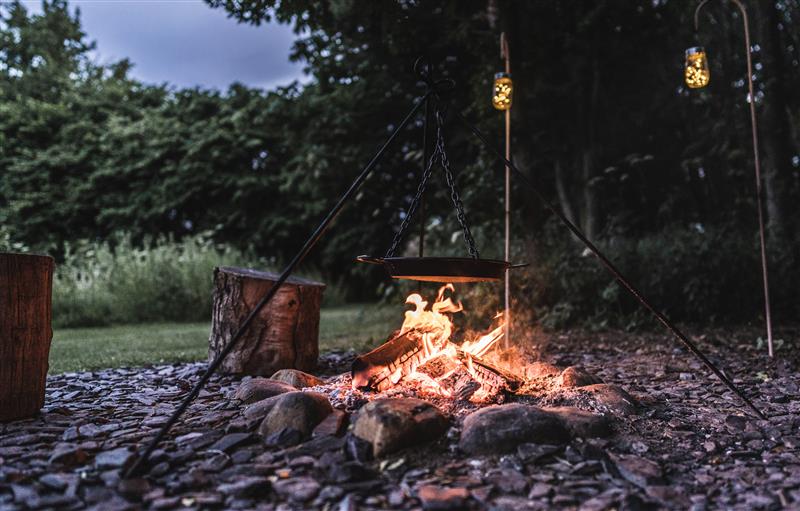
pixel 26 284
pixel 284 334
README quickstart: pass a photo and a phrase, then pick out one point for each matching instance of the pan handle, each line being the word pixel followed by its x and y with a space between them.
pixel 369 259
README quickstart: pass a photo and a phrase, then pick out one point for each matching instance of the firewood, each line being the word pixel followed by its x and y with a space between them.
pixel 26 283
pixel 284 335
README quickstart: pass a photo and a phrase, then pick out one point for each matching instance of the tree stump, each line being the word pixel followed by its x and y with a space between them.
pixel 284 334
pixel 26 284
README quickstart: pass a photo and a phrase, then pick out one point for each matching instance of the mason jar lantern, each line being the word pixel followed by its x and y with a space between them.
pixel 502 91
pixel 696 72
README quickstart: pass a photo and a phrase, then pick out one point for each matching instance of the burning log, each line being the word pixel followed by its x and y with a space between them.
pixel 383 367
pixel 490 376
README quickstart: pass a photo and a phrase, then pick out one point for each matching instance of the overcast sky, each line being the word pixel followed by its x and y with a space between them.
pixel 186 43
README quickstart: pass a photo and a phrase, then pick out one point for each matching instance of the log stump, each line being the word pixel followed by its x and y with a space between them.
pixel 284 334
pixel 26 284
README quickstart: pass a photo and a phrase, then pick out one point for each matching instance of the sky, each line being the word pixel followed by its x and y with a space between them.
pixel 186 43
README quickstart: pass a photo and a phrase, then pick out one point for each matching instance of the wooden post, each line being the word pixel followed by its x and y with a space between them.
pixel 285 334
pixel 26 284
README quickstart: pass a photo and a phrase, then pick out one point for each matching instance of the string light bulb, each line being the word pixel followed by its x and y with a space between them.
pixel 696 72
pixel 502 91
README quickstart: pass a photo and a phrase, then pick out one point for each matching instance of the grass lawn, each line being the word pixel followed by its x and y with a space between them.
pixel 79 349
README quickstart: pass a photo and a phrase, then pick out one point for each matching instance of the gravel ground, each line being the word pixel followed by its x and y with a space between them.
pixel 689 445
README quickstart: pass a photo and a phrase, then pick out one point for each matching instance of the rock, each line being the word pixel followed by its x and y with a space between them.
pixel 333 425
pixel 393 424
pixel 612 398
pixel 508 481
pixel 575 376
pixel 438 497
pixel 501 428
pixel 297 489
pixel 530 453
pixel 57 482
pixel 231 441
pixel 284 438
pixel 134 488
pixel 298 411
pixel 539 490
pixel 639 471
pixel 297 379
pixel 115 458
pixel 68 454
pixel 247 487
pixel 582 423
pixel 256 389
pixel 348 471
pixel 260 409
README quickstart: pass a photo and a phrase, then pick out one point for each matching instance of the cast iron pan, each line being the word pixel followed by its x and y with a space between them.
pixel 442 269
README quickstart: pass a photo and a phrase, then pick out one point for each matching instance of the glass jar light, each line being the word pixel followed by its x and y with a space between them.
pixel 696 72
pixel 502 91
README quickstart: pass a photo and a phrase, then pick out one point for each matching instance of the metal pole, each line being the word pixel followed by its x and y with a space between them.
pixel 504 53
pixel 309 244
pixel 621 279
pixel 757 161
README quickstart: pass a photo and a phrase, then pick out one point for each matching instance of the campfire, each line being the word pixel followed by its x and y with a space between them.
pixel 424 354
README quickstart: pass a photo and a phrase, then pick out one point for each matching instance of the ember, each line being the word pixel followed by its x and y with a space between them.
pixel 423 352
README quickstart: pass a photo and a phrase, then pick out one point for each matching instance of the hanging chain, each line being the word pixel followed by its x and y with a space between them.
pixel 439 151
pixel 413 207
pixel 451 183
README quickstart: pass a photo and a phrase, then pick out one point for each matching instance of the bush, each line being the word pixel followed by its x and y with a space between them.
pixel 692 275
pixel 101 283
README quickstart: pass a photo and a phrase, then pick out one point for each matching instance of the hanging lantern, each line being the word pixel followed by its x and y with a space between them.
pixel 696 73
pixel 502 91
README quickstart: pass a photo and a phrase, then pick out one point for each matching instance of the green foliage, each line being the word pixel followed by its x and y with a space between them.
pixel 100 284
pixel 600 119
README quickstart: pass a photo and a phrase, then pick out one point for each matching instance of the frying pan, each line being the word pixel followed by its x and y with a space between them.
pixel 442 269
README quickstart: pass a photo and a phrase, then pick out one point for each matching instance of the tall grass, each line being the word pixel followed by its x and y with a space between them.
pixel 102 283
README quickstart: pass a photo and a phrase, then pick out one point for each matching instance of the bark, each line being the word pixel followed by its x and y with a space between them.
pixel 284 335
pixel 26 283
pixel 775 131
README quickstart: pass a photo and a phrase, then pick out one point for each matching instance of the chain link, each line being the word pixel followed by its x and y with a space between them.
pixel 439 151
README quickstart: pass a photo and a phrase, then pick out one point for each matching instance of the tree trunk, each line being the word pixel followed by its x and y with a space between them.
pixel 775 129
pixel 284 335
pixel 26 283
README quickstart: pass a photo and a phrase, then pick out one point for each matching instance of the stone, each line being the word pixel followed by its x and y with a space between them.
pixel 57 482
pixel 298 411
pixel 256 389
pixel 68 454
pixel 115 458
pixel 612 398
pixel 576 376
pixel 297 489
pixel 530 452
pixel 582 423
pixel 639 471
pixel 296 378
pixel 230 442
pixel 134 488
pixel 333 425
pixel 441 498
pixel 393 424
pixel 501 428
pixel 246 487
pixel 258 410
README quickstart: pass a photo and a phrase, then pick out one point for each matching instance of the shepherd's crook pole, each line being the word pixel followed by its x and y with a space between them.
pixel 623 281
pixel 756 159
pixel 309 244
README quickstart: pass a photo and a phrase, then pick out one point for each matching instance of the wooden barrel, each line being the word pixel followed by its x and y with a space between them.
pixel 26 284
pixel 284 335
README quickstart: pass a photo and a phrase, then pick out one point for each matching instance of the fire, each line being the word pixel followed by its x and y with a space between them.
pixel 424 353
